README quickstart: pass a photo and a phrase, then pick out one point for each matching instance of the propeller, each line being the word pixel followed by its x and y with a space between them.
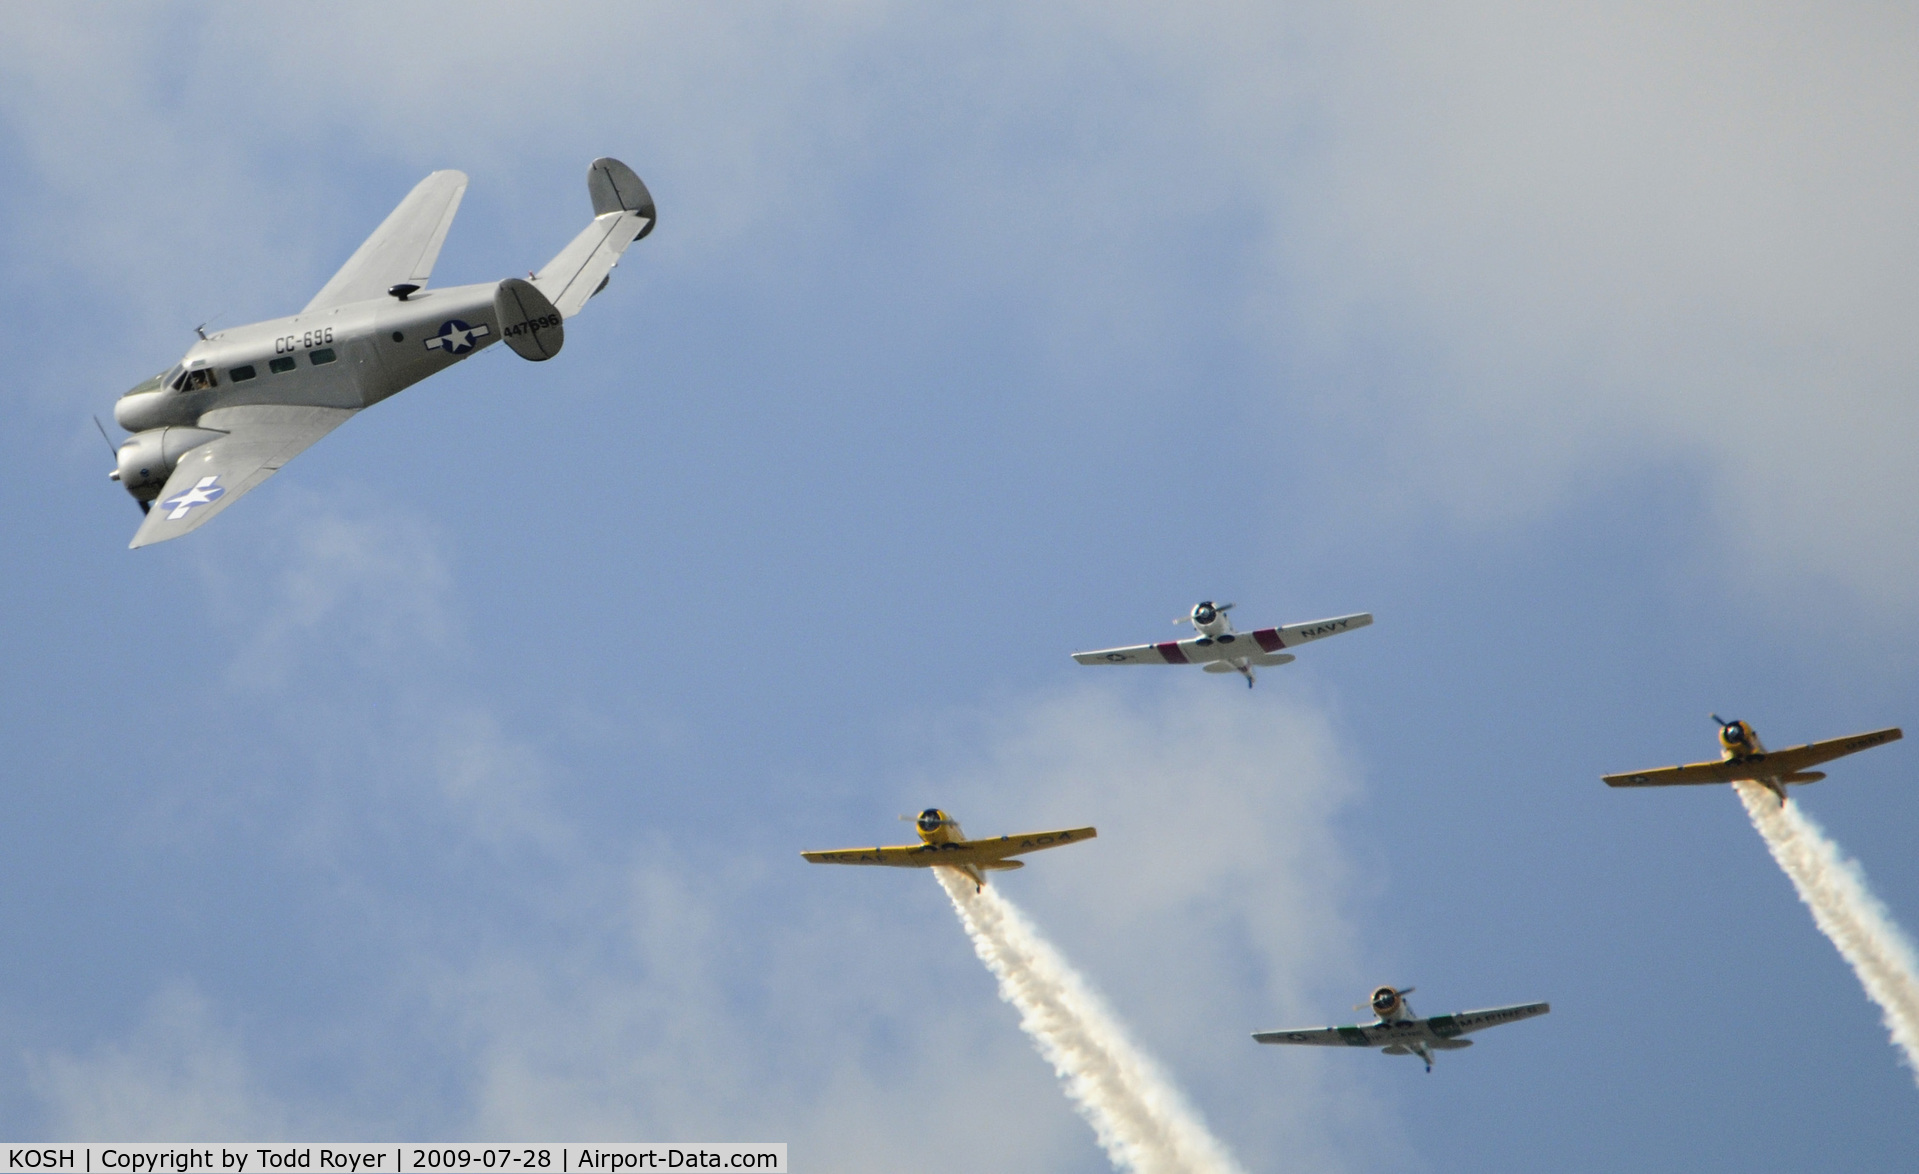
pixel 146 507
pixel 1189 616
pixel 1400 991
pixel 1721 722
pixel 108 439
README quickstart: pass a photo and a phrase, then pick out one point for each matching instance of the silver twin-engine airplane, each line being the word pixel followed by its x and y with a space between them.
pixel 1221 649
pixel 247 400
pixel 1401 1033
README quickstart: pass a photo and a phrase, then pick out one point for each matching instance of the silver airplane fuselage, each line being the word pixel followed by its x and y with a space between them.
pixel 350 357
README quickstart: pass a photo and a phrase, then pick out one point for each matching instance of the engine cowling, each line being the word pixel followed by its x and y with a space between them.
pixel 1385 1001
pixel 147 459
pixel 1210 617
pixel 936 827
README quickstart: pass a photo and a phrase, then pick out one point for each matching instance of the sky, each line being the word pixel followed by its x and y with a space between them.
pixel 452 785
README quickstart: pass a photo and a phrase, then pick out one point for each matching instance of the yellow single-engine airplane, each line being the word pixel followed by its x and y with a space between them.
pixel 1743 758
pixel 943 845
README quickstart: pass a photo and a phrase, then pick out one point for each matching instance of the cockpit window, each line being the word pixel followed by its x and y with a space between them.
pixel 153 384
pixel 201 380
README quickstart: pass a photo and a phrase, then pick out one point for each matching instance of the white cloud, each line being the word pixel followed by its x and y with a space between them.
pixel 1210 907
pixel 1499 253
pixel 1596 241
pixel 680 989
pixel 372 589
pixel 1508 252
pixel 1215 901
pixel 180 1076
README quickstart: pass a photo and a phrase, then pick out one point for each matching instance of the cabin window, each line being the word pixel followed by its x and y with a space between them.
pixel 323 355
pixel 280 366
pixel 241 374
pixel 201 380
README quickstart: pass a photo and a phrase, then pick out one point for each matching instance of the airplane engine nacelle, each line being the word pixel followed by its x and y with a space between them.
pixel 1385 1001
pixel 1735 738
pixel 147 459
pixel 139 410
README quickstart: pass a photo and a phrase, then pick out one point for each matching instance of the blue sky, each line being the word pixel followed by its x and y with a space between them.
pixel 452 785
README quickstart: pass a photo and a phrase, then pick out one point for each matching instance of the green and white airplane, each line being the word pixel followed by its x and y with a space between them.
pixel 1401 1033
pixel 245 401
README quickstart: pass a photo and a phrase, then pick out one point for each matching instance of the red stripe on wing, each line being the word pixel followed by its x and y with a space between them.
pixel 1269 639
pixel 1171 651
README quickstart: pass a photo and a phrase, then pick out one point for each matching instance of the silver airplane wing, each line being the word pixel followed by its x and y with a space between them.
pixel 259 439
pixel 1261 647
pixel 403 249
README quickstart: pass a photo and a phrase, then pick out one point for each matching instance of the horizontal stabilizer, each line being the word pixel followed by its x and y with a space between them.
pixel 622 213
pixel 529 323
pixel 615 188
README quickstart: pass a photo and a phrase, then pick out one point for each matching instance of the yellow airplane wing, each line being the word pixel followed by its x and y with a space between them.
pixel 1692 772
pixel 1796 758
pixel 1774 764
pixel 987 851
pixel 980 852
pixel 903 856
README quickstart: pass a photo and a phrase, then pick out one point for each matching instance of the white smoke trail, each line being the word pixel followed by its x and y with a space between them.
pixel 1141 1120
pixel 1845 910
